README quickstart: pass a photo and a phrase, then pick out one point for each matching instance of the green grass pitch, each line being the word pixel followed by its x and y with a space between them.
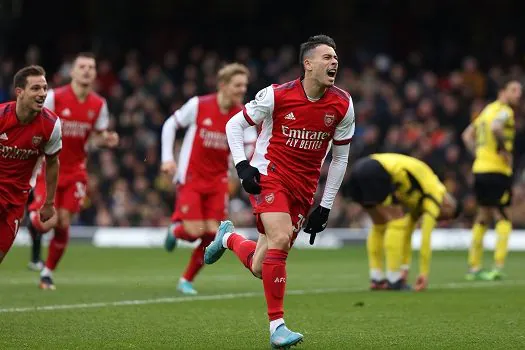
pixel 126 299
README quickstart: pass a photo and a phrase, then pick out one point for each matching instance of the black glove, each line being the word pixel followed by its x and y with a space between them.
pixel 316 222
pixel 250 177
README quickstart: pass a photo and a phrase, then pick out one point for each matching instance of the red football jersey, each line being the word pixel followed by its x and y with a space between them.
pixel 296 132
pixel 79 119
pixel 203 159
pixel 20 147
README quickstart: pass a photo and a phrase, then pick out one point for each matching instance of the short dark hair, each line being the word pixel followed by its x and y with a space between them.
pixel 20 78
pixel 312 43
pixel 504 82
pixel 86 54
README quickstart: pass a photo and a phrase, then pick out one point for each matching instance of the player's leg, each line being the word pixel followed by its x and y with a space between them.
pixel 187 219
pixel 279 234
pixel 9 224
pixel 68 201
pixel 375 250
pixel 487 197
pixel 394 242
pixel 406 256
pixel 36 199
pixel 196 262
pixel 503 227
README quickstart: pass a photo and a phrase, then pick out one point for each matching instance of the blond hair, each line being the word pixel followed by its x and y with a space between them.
pixel 227 72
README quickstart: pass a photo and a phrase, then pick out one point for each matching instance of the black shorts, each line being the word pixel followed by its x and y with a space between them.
pixel 369 183
pixel 493 189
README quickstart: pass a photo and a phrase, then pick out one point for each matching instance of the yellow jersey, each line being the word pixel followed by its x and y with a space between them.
pixel 488 159
pixel 416 185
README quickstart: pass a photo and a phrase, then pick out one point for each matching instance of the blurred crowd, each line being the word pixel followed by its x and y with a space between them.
pixel 401 107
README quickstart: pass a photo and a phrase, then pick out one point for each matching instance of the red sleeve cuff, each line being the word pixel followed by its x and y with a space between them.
pixel 342 142
pixel 247 117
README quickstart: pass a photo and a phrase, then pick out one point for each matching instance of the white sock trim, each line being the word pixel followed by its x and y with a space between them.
pixel 376 275
pixel 225 239
pixel 275 323
pixel 46 272
pixel 393 276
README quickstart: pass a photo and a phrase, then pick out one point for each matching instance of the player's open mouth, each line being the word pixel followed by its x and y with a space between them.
pixel 40 103
pixel 331 72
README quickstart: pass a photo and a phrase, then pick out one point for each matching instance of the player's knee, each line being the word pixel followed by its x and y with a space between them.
pixel 64 220
pixel 281 240
pixel 257 270
pixel 195 229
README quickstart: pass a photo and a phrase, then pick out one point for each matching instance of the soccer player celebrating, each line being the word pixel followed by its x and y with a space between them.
pixel 490 137
pixel 202 176
pixel 27 131
pixel 83 113
pixel 382 184
pixel 299 120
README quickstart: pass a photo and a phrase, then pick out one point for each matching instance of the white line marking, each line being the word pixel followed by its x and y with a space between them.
pixel 173 300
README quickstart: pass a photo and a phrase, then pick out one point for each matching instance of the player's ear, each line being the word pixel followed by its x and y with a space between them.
pixel 307 64
pixel 19 91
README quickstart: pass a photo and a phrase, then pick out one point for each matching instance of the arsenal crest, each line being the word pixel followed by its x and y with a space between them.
pixel 269 198
pixel 37 140
pixel 329 119
pixel 91 114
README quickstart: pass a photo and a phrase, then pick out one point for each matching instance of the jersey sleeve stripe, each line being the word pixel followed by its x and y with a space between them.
pixel 247 117
pixel 342 142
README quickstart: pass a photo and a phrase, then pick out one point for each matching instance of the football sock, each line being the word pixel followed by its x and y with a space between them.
pixel 394 241
pixel 375 249
pixel 503 230
pixel 57 246
pixel 180 233
pixel 274 282
pixel 243 248
pixel 274 324
pixel 197 258
pixel 476 247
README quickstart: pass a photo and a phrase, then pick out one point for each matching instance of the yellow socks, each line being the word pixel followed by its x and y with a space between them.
pixel 375 246
pixel 476 248
pixel 503 229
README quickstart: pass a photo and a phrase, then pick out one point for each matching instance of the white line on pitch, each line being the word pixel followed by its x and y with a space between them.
pixel 173 300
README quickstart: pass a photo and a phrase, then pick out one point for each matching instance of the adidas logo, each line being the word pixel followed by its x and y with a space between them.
pixel 290 116
pixel 4 137
pixel 66 112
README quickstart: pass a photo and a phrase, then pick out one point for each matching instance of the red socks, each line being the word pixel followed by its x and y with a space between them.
pixel 197 258
pixel 57 246
pixel 274 281
pixel 243 248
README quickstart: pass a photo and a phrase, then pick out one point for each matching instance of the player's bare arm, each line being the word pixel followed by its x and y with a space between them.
pixel 106 138
pixel 52 166
pixel 469 138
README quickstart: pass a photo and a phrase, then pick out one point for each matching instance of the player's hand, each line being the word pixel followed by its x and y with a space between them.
pixel 47 212
pixel 111 139
pixel 168 168
pixel 316 222
pixel 421 283
pixel 250 177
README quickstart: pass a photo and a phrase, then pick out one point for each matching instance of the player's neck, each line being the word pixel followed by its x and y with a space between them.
pixel 223 102
pixel 503 100
pixel 80 91
pixel 313 89
pixel 24 115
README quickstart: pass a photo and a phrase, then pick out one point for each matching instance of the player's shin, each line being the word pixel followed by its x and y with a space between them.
pixel 476 247
pixel 242 247
pixel 197 258
pixel 274 282
pixel 503 230
pixel 394 240
pixel 375 249
pixel 57 247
